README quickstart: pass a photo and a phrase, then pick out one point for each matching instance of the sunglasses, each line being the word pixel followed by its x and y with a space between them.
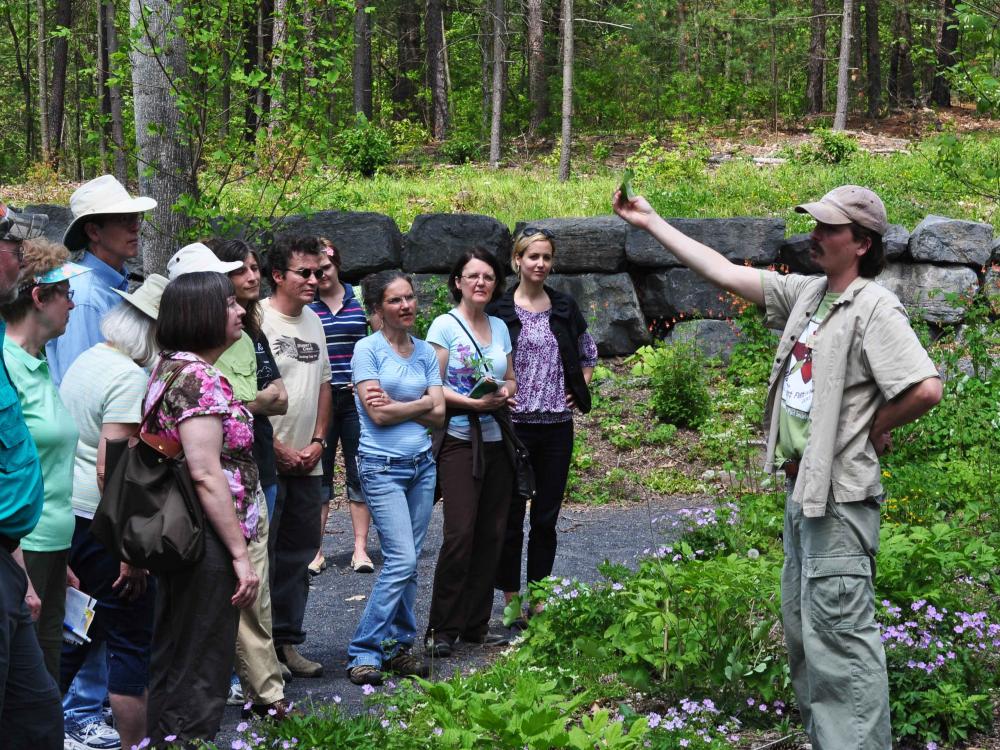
pixel 306 273
pixel 17 250
pixel 528 231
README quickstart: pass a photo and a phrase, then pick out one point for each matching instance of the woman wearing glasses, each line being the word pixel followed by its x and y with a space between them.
pixel 554 357
pixel 474 469
pixel 37 315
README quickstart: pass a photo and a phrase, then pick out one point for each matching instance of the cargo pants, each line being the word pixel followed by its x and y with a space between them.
pixel 828 611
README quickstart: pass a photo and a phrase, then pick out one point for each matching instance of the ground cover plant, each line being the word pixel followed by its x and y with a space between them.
pixel 685 650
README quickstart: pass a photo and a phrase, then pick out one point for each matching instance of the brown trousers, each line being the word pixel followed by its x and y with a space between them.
pixel 475 519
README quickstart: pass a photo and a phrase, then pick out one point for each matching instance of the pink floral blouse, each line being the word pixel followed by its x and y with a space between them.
pixel 202 390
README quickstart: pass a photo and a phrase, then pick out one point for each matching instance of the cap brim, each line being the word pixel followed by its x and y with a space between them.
pixel 61 273
pixel 74 238
pixel 144 305
pixel 147 297
pixel 824 213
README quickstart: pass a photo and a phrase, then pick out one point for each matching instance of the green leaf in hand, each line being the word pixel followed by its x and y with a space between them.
pixel 626 187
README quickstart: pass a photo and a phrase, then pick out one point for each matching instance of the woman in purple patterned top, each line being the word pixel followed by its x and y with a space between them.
pixel 554 358
pixel 197 608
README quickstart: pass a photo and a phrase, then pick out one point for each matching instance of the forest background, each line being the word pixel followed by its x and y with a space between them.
pixel 197 99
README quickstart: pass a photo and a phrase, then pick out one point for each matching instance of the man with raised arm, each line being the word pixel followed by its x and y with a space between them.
pixel 848 370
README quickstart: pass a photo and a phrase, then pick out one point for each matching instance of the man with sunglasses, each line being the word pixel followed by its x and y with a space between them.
pixel 106 223
pixel 298 344
pixel 30 713
pixel 849 369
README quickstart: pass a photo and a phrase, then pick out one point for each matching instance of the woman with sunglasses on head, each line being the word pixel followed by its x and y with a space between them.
pixel 474 467
pixel 554 358
pixel 398 393
pixel 344 324
pixel 37 315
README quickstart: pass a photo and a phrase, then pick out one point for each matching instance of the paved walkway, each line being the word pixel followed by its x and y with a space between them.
pixel 587 537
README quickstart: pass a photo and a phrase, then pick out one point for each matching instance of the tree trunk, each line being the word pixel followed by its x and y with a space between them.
pixel 78 113
pixel 404 90
pixel 102 94
pixel 843 69
pixel 772 8
pixel 115 98
pixel 166 171
pixel 947 44
pixel 433 25
pixel 485 38
pixel 816 67
pixel 567 89
pixel 57 99
pixel 24 73
pixel 361 69
pixel 904 89
pixel 499 87
pixel 874 58
pixel 43 85
pixel 279 79
pixel 538 89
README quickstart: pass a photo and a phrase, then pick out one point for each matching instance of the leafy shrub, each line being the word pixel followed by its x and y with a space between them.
pixel 751 357
pixel 461 148
pixel 365 148
pixel 433 299
pixel 601 151
pixel 829 147
pixel 679 381
pixel 657 164
pixel 407 135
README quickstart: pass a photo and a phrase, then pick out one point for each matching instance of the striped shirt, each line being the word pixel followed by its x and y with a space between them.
pixel 343 330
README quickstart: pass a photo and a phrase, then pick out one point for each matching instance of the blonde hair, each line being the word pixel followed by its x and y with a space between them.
pixel 523 241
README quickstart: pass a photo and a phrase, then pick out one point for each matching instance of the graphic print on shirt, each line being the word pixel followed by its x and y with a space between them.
pixel 297 349
pixel 474 368
pixel 797 390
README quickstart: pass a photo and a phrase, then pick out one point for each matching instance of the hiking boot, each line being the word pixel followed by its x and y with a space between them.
pixel 275 712
pixel 297 664
pixel 439 648
pixel 405 664
pixel 365 674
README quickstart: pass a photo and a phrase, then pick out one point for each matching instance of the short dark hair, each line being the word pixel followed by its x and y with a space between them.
pixel 285 245
pixel 873 261
pixel 238 250
pixel 18 309
pixel 375 285
pixel 476 253
pixel 194 311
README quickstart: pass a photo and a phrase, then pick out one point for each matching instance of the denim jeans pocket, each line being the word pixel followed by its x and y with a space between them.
pixel 371 467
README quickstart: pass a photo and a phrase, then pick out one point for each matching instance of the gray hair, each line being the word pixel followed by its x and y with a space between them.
pixel 132 332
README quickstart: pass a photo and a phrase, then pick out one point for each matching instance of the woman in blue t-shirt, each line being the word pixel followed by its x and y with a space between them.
pixel 398 392
pixel 474 468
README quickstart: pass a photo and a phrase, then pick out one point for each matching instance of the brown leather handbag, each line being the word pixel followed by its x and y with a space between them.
pixel 149 515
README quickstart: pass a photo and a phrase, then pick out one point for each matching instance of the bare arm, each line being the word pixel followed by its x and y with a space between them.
pixel 111 431
pixel 435 417
pixel 272 400
pixel 703 260
pixel 909 405
pixel 385 412
pixel 201 438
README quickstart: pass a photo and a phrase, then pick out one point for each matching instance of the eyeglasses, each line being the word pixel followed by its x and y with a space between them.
pixel 528 231
pixel 475 278
pixel 305 273
pixel 17 250
pixel 408 298
pixel 67 292
pixel 124 220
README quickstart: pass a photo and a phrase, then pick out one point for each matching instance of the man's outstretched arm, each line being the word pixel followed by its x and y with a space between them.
pixel 703 260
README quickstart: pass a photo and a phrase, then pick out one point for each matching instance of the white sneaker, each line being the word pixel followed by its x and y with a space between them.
pixel 93 736
pixel 235 694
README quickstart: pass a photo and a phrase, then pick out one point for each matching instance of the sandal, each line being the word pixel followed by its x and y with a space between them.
pixel 364 565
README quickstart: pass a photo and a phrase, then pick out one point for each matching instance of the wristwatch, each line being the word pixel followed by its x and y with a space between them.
pixel 321 441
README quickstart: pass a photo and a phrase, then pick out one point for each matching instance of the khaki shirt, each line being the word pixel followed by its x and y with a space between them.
pixel 864 354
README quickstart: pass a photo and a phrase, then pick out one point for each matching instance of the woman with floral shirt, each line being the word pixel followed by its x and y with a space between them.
pixel 197 608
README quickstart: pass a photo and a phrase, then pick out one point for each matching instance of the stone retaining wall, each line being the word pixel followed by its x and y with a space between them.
pixel 625 282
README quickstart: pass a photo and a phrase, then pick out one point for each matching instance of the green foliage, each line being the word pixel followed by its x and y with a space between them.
pixel 433 299
pixel 828 146
pixel 678 378
pixel 365 148
pixel 751 358
pixel 655 164
pixel 462 148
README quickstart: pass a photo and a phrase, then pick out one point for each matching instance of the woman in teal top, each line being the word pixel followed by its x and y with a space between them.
pixel 38 314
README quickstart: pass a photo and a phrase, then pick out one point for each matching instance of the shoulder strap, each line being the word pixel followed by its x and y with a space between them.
pixel 462 326
pixel 156 405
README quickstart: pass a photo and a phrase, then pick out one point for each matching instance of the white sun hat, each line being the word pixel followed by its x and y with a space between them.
pixel 147 296
pixel 102 195
pixel 198 257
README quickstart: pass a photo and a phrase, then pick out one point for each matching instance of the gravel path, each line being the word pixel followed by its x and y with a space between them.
pixel 587 537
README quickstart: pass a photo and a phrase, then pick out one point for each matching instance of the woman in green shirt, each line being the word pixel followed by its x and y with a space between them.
pixel 40 313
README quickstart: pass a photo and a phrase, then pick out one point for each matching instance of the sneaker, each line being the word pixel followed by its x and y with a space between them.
pixel 297 664
pixel 365 674
pixel 438 649
pixel 235 693
pixel 405 664
pixel 93 736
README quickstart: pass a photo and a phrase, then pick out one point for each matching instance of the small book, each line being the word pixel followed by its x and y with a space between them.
pixel 79 615
pixel 484 386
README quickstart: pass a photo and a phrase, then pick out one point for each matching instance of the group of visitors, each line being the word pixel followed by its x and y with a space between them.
pixel 257 394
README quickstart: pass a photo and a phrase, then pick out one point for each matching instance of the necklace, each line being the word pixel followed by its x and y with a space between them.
pixel 403 351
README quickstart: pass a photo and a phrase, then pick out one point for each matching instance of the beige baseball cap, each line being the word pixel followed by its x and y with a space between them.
pixel 846 204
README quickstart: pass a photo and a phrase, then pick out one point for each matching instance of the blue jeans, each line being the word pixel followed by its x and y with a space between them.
pixel 345 428
pixel 400 495
pixel 270 495
pixel 83 703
